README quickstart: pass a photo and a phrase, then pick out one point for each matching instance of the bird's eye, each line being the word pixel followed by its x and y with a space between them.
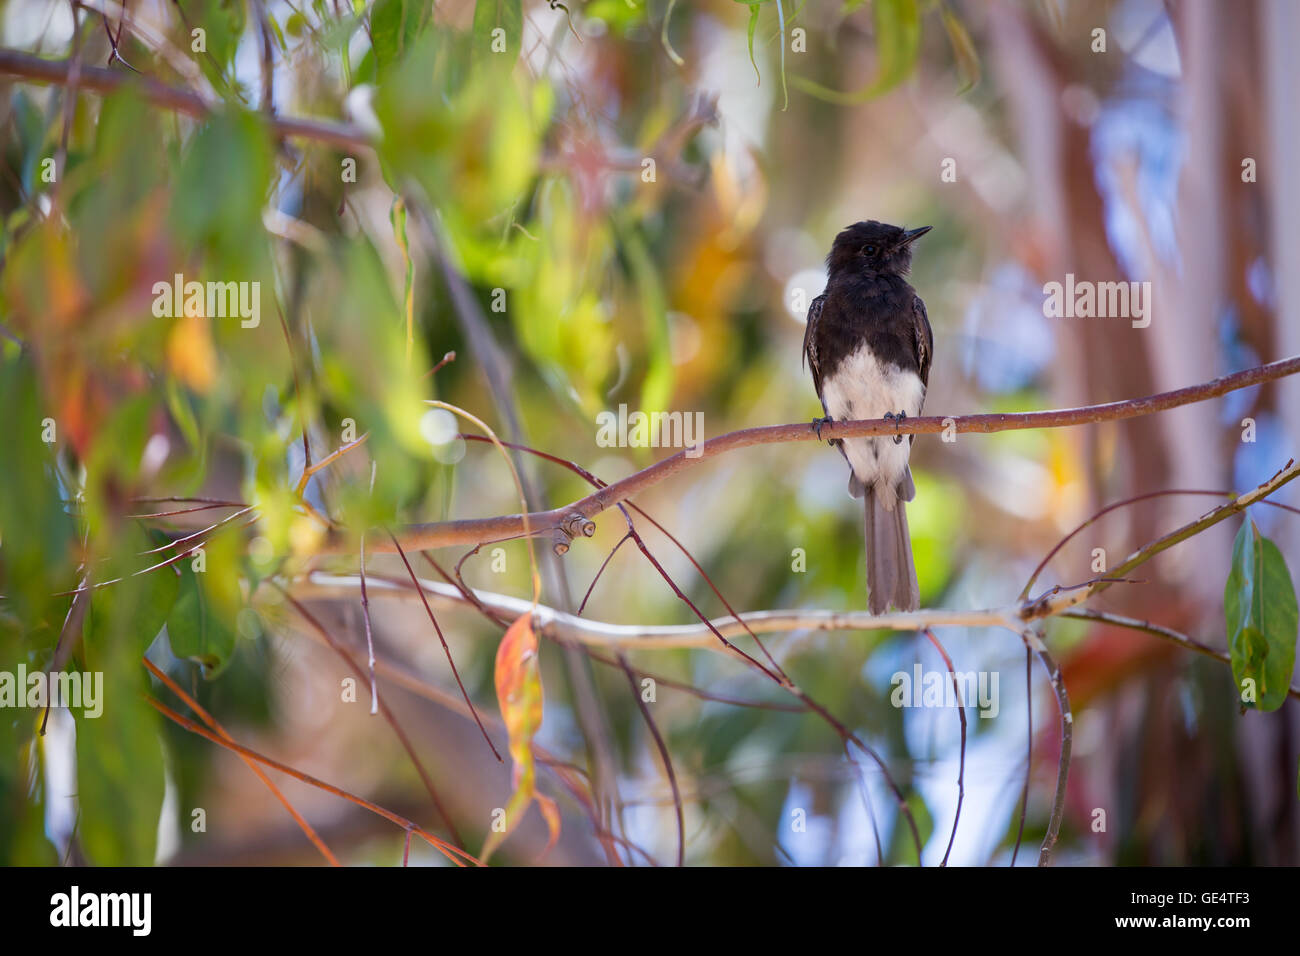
pixel 868 250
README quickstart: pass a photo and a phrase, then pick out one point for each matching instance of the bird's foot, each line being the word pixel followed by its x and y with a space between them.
pixel 897 420
pixel 819 423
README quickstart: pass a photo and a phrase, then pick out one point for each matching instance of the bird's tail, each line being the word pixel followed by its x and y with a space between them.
pixel 891 574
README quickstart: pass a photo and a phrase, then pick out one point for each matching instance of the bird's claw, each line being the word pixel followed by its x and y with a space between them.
pixel 897 420
pixel 819 423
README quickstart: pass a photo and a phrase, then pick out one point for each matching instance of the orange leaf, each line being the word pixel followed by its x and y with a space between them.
pixel 519 694
pixel 519 685
pixel 190 354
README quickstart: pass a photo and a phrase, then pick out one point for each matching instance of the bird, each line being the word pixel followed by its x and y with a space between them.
pixel 869 346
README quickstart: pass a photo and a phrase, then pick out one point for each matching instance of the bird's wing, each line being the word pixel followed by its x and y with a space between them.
pixel 924 339
pixel 810 342
pixel 923 336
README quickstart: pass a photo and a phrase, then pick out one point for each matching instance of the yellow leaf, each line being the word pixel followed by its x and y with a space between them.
pixel 519 694
pixel 190 354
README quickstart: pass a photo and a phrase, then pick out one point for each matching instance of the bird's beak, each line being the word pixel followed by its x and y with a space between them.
pixel 913 235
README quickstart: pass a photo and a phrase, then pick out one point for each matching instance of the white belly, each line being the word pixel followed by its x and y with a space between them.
pixel 864 388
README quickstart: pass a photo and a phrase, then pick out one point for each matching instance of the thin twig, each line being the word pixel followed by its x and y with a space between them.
pixel 208 719
pixel 663 755
pixel 447 650
pixel 784 682
pixel 599 483
pixel 609 557
pixel 1029 755
pixel 466 591
pixel 453 853
pixel 449 357
pixel 94 586
pixel 325 462
pixel 961 714
pixel 403 677
pixel 342 652
pixel 1034 640
pixel 1046 607
pixel 179 511
pixel 470 597
pixel 1165 633
pixel 370 641
pixel 365 610
pixel 1024 594
pixel 297 391
pixel 662 681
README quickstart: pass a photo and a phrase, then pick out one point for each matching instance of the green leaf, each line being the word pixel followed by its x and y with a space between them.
pixel 113 463
pixel 785 92
pixel 1259 605
pixel 667 45
pixel 968 61
pixel 393 25
pixel 32 130
pixel 902 847
pixel 200 629
pixel 279 33
pixel 132 611
pixel 397 216
pixel 223 24
pixel 36 533
pixel 223 183
pixel 473 151
pixel 492 15
pixel 898 41
pixel 657 387
pixel 119 769
pixel 749 34
pixel 22 812
pixel 119 753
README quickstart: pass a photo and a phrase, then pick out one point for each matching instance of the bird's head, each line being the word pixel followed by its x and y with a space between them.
pixel 874 248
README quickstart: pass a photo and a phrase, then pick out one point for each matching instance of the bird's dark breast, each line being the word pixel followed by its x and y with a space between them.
pixel 866 310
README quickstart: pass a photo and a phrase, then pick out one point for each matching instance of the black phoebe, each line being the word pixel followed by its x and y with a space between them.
pixel 869 345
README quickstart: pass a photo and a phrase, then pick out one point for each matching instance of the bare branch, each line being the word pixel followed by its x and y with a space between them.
pixel 455 672
pixel 560 626
pixel 453 853
pixel 1165 633
pixel 1034 640
pixel 1029 752
pixel 1046 607
pixel 252 765
pixel 961 714
pixel 333 642
pixel 97 80
pixel 1024 594
pixel 421 537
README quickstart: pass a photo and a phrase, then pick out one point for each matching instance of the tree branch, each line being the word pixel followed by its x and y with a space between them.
pixel 1054 602
pixel 1035 641
pixel 560 626
pixel 28 66
pixel 439 534
pixel 1157 630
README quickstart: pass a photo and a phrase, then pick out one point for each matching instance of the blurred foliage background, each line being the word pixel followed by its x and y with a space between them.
pixel 628 203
